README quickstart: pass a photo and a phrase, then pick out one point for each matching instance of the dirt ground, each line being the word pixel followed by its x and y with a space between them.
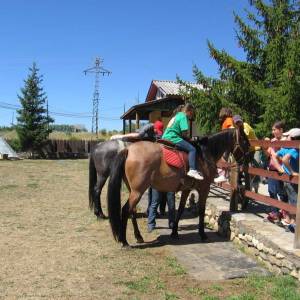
pixel 52 247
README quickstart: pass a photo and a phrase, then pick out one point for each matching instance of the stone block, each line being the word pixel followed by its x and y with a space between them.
pixel 266 263
pixel 265 250
pixel 276 270
pixel 253 251
pixel 285 271
pixel 294 273
pixel 260 246
pixel 250 244
pixel 255 242
pixel 279 255
pixel 271 251
pixel 248 238
pixel 274 261
pixel 263 256
pixel 286 263
pixel 241 236
pixel 232 236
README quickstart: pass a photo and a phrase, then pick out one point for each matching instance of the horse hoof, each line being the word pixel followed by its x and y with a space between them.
pixel 140 240
pixel 126 246
pixel 101 217
pixel 174 235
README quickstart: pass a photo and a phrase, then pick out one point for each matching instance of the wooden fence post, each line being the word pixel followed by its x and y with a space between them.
pixel 234 193
pixel 297 229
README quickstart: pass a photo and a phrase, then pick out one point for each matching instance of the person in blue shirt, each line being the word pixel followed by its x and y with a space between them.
pixel 289 157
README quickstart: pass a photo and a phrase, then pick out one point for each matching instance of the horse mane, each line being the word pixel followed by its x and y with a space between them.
pixel 216 143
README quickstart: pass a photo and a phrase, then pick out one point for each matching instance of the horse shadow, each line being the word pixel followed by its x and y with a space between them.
pixel 185 238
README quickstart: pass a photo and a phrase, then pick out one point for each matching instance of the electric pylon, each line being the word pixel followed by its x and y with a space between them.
pixel 97 69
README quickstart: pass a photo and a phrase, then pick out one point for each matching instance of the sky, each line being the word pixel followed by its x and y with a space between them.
pixel 139 41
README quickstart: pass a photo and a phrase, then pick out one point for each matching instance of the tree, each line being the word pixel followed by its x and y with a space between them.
pixel 266 86
pixel 33 120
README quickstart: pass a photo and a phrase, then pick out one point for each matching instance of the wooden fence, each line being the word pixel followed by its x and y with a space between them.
pixel 68 148
pixel 244 193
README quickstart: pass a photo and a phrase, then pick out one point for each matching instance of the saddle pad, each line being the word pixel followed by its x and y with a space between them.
pixel 175 158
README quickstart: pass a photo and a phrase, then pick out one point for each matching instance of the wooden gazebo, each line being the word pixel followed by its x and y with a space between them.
pixel 162 98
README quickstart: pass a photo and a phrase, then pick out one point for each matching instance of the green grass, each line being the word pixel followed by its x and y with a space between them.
pixel 176 267
pixel 8 187
pixel 170 296
pixel 33 185
pixel 278 287
pixel 140 285
pixel 196 291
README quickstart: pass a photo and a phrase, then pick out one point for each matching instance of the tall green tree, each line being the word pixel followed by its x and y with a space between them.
pixel 266 86
pixel 33 120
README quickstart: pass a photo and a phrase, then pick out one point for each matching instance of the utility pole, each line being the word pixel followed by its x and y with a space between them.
pixel 97 69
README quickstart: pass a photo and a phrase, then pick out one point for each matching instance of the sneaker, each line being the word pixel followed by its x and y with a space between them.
pixel 220 179
pixel 194 174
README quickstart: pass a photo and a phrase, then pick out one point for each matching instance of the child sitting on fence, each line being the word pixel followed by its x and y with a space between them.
pixel 289 160
pixel 275 186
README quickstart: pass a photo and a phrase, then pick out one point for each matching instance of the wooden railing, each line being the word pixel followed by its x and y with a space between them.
pixel 244 192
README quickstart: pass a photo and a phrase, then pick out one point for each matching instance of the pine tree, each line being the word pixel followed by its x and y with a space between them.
pixel 33 120
pixel 265 87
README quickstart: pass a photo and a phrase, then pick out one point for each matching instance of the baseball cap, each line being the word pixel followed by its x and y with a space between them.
pixel 237 118
pixel 294 132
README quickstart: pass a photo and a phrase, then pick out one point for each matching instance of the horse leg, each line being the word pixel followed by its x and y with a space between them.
pixel 183 199
pixel 129 209
pixel 124 219
pixel 202 204
pixel 137 234
pixel 97 197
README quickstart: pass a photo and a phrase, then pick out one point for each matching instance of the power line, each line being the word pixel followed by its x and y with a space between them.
pixel 61 114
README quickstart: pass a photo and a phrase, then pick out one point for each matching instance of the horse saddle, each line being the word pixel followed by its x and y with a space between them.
pixel 175 158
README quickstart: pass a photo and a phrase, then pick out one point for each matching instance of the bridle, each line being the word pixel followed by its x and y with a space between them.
pixel 238 152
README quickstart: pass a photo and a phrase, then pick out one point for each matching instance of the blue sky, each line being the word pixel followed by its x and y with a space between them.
pixel 138 40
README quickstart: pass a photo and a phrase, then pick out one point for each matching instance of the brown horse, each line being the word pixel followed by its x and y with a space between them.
pixel 141 165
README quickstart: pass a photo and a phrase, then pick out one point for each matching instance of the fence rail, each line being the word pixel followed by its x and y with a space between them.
pixel 67 148
pixel 238 191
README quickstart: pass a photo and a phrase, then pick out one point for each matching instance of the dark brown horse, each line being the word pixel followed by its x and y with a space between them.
pixel 141 165
pixel 101 160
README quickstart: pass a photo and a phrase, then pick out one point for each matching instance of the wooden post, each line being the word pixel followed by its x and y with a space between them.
pixel 124 126
pixel 137 120
pixel 297 229
pixel 129 125
pixel 234 180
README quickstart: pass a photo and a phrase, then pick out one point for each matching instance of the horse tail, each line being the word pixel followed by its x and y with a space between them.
pixel 114 193
pixel 92 181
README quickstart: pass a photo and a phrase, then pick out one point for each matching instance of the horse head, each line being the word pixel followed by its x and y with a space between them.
pixel 241 146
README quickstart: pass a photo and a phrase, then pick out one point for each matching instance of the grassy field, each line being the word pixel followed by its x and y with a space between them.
pixel 52 247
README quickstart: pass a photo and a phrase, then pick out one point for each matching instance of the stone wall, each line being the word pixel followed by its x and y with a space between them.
pixel 257 244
